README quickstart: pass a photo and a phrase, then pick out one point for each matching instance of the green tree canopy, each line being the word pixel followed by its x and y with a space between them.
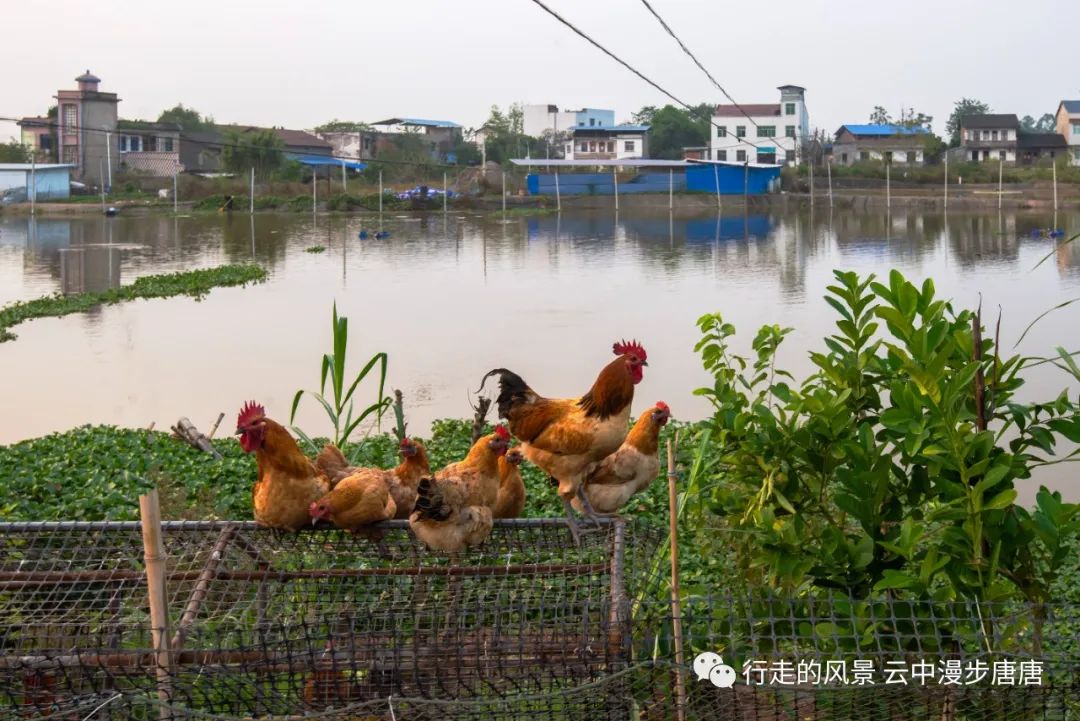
pixel 186 118
pixel 673 129
pixel 880 116
pixel 14 152
pixel 260 149
pixel 961 108
pixel 1045 124
pixel 343 126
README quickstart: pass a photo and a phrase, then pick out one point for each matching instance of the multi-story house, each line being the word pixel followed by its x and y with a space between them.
pixel 145 147
pixel 897 144
pixel 762 133
pixel 440 137
pixel 540 120
pixel 614 142
pixel 39 134
pixel 989 137
pixel 87 122
pixel 1068 125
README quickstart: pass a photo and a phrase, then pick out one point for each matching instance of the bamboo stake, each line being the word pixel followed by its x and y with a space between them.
pixel 154 555
pixel 216 424
pixel 946 180
pixel 676 605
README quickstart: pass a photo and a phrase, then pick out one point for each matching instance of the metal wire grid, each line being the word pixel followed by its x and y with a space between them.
pixel 321 624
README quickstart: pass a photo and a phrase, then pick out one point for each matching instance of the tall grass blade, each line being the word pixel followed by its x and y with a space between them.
pixel 1053 252
pixel 1042 315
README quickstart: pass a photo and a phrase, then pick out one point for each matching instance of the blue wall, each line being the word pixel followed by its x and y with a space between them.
pixel 603 118
pixel 603 183
pixel 51 183
pixel 732 178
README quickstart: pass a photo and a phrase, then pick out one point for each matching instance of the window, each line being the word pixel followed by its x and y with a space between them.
pixel 864 155
pixel 888 156
pixel 611 146
pixel 740 131
pixel 1076 128
pixel 721 131
pixel 167 144
pixel 789 108
pixel 592 122
pixel 993 135
pixel 628 146
pixel 1001 155
pixel 766 156
pixel 71 116
pixel 985 135
pixel 843 158
pixel 1076 153
pixel 789 131
pixel 974 156
pixel 592 146
pixel 45 142
pixel 766 131
pixel 584 147
pixel 740 156
pixel 722 154
pixel 71 154
pixel 911 156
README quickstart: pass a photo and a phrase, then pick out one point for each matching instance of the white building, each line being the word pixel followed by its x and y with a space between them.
pixel 1068 124
pixel 773 132
pixel 541 119
pixel 616 142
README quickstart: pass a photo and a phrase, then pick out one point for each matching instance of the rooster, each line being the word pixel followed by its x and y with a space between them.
pixel 631 468
pixel 444 518
pixel 511 499
pixel 401 481
pixel 567 437
pixel 287 481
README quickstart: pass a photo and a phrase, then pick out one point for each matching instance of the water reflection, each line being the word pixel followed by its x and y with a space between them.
pixel 450 295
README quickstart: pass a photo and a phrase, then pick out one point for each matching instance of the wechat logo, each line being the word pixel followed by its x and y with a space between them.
pixel 710 666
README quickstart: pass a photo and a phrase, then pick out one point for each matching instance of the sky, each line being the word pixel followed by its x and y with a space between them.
pixel 299 64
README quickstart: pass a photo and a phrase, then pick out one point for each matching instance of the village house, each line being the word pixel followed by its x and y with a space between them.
pixel 989 137
pixel 358 144
pixel 1068 125
pixel 1032 148
pixel 87 121
pixel 614 142
pixel 439 136
pixel 762 133
pixel 39 134
pixel 148 148
pixel 897 144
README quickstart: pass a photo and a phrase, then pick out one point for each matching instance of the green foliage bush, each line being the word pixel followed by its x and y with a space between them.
pixel 893 468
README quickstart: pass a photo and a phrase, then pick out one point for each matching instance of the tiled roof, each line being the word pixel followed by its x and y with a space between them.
pixel 1008 120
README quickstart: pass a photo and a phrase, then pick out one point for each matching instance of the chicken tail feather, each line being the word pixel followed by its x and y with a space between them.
pixel 429 501
pixel 512 389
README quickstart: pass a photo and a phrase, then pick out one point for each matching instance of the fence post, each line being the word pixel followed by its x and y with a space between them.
pixel 888 184
pixel 444 191
pixel 828 169
pixel 154 556
pixel 314 190
pixel 671 189
pixel 946 180
pixel 101 173
pixel 558 195
pixel 344 179
pixel 504 191
pixel 33 183
pixel 615 177
pixel 1054 166
pixel 380 192
pixel 1001 173
pixel 676 604
pixel 174 200
pixel 251 198
pixel 716 176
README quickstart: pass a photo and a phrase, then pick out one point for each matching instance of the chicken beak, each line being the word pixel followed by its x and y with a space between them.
pixel 238 432
pixel 314 520
pixel 645 363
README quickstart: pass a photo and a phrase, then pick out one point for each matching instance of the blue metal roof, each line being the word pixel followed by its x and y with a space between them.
pixel 883 130
pixel 325 160
pixel 418 121
pixel 1071 106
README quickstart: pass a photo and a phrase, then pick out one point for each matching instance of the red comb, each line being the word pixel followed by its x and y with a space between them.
pixel 660 405
pixel 622 348
pixel 249 412
pixel 501 433
pixel 405 441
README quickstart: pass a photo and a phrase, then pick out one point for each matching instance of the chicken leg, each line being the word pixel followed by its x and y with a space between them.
pixel 572 522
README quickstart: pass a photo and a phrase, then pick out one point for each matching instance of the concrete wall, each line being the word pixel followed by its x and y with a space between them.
pixel 1069 126
pixel 160 164
pixel 854 150
pixel 97 116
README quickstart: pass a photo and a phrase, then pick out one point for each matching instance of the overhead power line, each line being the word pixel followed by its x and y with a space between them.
pixel 631 68
pixel 697 62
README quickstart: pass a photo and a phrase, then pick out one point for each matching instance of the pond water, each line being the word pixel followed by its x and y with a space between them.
pixel 449 297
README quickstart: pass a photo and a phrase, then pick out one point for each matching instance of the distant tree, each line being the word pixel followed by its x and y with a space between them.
pixel 259 149
pixel 14 152
pixel 880 116
pixel 962 108
pixel 673 129
pixel 645 115
pixel 504 136
pixel 186 118
pixel 1044 124
pixel 911 119
pixel 343 126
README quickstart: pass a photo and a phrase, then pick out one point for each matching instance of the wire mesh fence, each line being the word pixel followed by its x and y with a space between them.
pixel 324 624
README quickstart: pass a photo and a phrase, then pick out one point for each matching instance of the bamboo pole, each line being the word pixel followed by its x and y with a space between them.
pixel 33 182
pixel 946 180
pixel 676 603
pixel 615 178
pixel 444 188
pixel 154 555
pixel 503 192
pixel 380 193
pixel 716 176
pixel 1001 174
pixel 314 191
pixel 558 195
pixel 828 169
pixel 174 199
pixel 888 184
pixel 670 189
pixel 1054 166
pixel 251 199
